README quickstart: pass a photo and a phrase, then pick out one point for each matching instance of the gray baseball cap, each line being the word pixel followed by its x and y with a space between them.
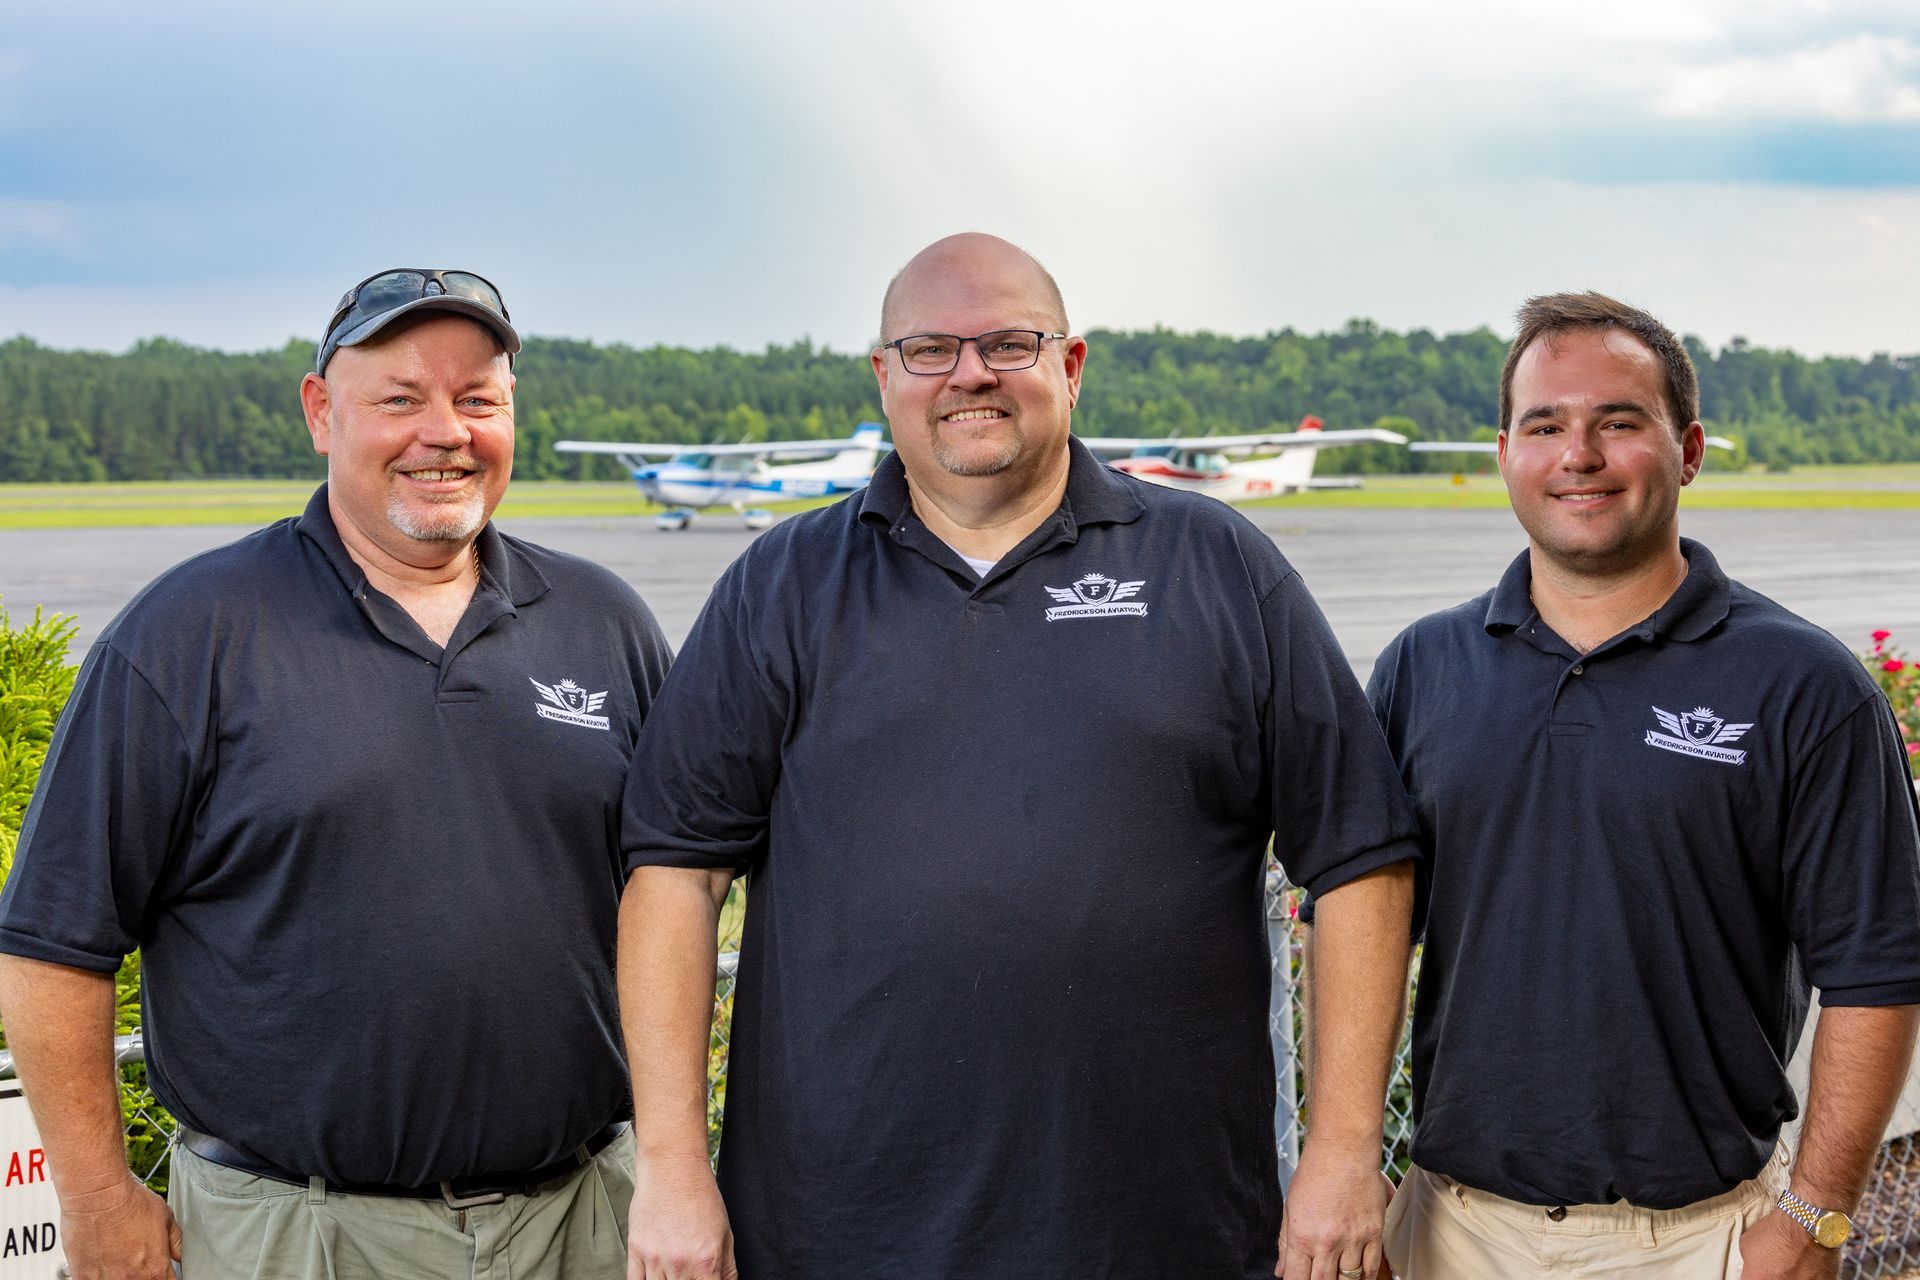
pixel 385 296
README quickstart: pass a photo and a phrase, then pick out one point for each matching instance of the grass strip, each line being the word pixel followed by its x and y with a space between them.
pixel 243 503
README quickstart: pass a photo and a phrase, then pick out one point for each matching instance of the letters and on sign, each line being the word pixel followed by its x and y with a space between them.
pixel 29 1211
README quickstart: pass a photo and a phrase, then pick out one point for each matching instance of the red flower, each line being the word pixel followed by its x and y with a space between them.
pixel 1881 637
pixel 1893 664
pixel 1913 749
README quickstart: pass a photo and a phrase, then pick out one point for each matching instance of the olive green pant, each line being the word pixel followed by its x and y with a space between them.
pixel 236 1226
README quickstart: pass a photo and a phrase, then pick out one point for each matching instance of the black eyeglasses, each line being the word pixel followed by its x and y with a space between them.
pixel 1003 350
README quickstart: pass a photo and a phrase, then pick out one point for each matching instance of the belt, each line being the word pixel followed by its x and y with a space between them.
pixel 459 1193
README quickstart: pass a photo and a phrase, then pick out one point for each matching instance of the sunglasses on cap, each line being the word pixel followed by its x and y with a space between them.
pixel 384 297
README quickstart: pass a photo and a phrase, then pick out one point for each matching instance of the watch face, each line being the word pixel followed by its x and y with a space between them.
pixel 1832 1229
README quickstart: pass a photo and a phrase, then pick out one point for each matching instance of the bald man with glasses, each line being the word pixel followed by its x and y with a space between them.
pixel 350 784
pixel 1000 745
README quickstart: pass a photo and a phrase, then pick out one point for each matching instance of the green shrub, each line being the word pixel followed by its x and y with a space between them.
pixel 35 679
pixel 34 683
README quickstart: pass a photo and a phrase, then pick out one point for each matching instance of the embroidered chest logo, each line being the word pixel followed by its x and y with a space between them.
pixel 1097 596
pixel 568 703
pixel 1700 733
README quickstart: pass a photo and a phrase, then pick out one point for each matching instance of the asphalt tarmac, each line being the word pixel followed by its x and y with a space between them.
pixel 1373 571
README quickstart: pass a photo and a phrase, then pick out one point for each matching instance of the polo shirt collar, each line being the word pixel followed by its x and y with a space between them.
pixel 1699 604
pixel 514 575
pixel 1096 494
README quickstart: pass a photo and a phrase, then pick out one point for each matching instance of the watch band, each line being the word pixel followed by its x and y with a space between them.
pixel 1828 1227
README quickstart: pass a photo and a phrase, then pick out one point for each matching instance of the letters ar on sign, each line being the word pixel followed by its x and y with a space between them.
pixel 29 1212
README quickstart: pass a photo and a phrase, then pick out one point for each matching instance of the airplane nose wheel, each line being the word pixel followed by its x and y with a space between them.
pixel 757 518
pixel 673 521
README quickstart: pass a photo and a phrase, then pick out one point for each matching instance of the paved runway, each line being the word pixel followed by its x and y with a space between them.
pixel 1373 571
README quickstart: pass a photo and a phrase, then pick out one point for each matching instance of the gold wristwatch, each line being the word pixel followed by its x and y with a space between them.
pixel 1828 1227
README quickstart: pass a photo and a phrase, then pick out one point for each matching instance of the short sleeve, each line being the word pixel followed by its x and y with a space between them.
pixel 1851 863
pixel 113 800
pixel 1339 809
pixel 701 783
pixel 649 656
pixel 1383 693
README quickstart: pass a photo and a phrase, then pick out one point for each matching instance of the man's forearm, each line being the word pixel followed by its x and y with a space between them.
pixel 1357 1002
pixel 668 921
pixel 59 1024
pixel 1860 1062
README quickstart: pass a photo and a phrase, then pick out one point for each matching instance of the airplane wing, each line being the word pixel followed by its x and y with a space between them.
pixel 603 446
pixel 784 448
pixel 1244 444
pixel 1488 446
pixel 789 449
pixel 1117 446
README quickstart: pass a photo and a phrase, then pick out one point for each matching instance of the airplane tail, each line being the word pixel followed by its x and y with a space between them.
pixel 1288 471
pixel 1291 470
pixel 869 436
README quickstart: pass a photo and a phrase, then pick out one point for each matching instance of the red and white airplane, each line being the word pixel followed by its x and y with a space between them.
pixel 1225 467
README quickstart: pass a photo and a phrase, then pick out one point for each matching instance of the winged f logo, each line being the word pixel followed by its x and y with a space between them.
pixel 1095 595
pixel 568 703
pixel 1699 733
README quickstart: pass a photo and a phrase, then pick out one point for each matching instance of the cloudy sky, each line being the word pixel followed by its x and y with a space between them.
pixel 218 171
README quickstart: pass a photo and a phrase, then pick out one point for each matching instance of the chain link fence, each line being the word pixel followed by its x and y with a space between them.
pixel 1885 1245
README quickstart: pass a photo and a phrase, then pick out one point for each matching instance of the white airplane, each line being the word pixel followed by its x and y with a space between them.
pixel 689 479
pixel 1220 466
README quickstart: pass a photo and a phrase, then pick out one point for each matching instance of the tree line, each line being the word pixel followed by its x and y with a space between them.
pixel 164 410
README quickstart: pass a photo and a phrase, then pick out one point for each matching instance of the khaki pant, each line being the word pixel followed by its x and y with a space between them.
pixel 1440 1230
pixel 235 1226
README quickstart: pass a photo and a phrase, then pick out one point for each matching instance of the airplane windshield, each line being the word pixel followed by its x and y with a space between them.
pixel 1198 460
pixel 1153 451
pixel 702 460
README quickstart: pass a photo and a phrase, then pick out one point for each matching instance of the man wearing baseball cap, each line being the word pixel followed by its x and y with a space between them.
pixel 351 784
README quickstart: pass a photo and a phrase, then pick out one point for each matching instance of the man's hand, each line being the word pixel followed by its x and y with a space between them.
pixel 1336 1213
pixel 677 1228
pixel 122 1232
pixel 1778 1248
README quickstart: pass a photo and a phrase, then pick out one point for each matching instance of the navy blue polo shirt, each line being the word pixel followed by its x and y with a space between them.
pixel 1002 1007
pixel 375 880
pixel 1640 857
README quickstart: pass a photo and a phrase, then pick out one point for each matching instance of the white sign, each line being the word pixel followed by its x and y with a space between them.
pixel 29 1212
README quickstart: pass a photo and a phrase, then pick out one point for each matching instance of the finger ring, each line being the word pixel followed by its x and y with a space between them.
pixel 1353 1273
